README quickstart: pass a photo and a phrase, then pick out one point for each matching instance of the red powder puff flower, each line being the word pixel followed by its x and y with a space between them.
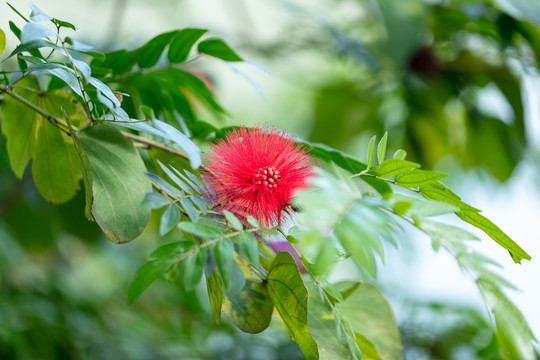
pixel 256 172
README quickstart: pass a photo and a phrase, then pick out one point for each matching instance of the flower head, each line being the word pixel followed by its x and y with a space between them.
pixel 256 172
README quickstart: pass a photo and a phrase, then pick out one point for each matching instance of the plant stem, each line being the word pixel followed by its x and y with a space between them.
pixel 152 143
pixel 83 92
pixel 8 89
pixel 366 174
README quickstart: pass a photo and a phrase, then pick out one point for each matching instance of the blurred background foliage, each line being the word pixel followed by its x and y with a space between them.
pixel 445 78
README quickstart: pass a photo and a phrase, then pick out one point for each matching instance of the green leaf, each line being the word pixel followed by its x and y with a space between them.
pixel 15 30
pixel 445 235
pixel 164 185
pixel 145 276
pixel 37 14
pixel 199 229
pixel 331 290
pixel 188 207
pixel 322 326
pixel 169 219
pixel 65 24
pixel 253 222
pixel 193 84
pixel 17 12
pixel 417 178
pixel 514 336
pixel 238 278
pixel 400 154
pixel 2 41
pixel 34 45
pixel 290 298
pixel 251 308
pixel 193 152
pixel 155 200
pixel 200 203
pixel 171 250
pixel 66 75
pixel 55 168
pixel 215 295
pixel 233 220
pixel 151 51
pixel 347 162
pixel 219 49
pixel 193 269
pixel 446 195
pixel 421 208
pixel 86 167
pixel 119 185
pixel 479 221
pixel 393 167
pixel 33 31
pixel 182 43
pixel 224 254
pixel 19 127
pixel 104 89
pixel 362 252
pixel 175 178
pixel 327 254
pixel 381 148
pixel 347 288
pixel 370 316
pixel 249 248
pixel 371 151
pixel 366 347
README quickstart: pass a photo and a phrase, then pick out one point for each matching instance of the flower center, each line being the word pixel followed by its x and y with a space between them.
pixel 267 177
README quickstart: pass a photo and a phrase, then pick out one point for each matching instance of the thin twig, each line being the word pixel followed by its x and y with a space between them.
pixel 26 88
pixel 152 143
pixel 366 174
pixel 58 123
pixel 83 91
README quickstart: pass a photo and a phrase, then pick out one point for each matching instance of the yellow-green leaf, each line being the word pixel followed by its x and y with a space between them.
pixel 393 167
pixel 495 233
pixel 513 334
pixel 2 41
pixel 370 316
pixel 417 178
pixel 215 295
pixel 55 169
pixel 250 308
pixel 290 297
pixel 322 326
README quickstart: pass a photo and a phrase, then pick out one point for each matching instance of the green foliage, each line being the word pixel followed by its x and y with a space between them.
pixel 182 43
pixel 70 128
pixel 119 185
pixel 429 92
pixel 370 316
pixel 324 326
pixel 218 48
pixel 251 308
pixel 30 136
